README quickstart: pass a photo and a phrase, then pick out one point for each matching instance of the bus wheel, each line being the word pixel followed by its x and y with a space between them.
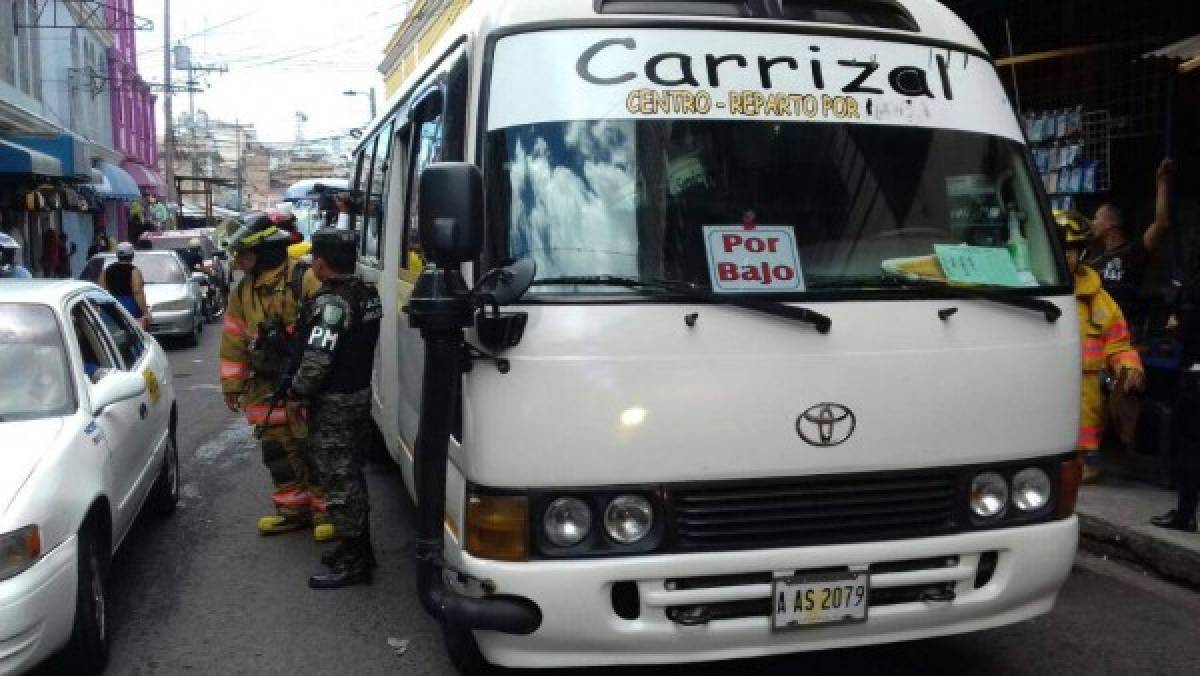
pixel 464 651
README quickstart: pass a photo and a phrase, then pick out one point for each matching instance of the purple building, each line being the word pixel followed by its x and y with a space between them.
pixel 133 122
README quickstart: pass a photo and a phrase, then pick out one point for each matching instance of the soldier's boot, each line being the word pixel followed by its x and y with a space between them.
pixel 329 558
pixel 350 568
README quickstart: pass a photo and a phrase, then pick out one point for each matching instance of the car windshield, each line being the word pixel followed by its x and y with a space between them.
pixel 34 378
pixel 788 195
pixel 156 268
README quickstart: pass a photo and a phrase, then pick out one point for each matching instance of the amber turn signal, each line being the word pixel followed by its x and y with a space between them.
pixel 498 527
pixel 1070 476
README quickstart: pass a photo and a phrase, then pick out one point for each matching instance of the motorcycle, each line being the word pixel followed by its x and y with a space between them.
pixel 213 301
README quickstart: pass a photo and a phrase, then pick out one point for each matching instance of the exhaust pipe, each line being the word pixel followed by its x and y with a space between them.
pixel 441 308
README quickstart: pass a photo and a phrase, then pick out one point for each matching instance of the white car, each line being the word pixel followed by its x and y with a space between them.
pixel 87 437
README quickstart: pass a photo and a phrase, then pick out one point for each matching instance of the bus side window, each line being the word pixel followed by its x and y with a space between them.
pixel 376 198
pixel 425 148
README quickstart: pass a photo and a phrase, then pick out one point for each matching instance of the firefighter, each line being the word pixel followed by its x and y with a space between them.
pixel 1106 343
pixel 340 329
pixel 257 351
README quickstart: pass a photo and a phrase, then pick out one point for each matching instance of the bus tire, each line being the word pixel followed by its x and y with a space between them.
pixel 464 651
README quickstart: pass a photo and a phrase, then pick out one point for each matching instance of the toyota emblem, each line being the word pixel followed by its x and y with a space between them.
pixel 825 424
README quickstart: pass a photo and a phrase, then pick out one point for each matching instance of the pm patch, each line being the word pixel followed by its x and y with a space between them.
pixel 323 338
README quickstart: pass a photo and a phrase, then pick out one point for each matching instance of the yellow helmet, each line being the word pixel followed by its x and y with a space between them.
pixel 1074 226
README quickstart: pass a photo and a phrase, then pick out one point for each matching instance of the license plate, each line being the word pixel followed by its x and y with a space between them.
pixel 820 599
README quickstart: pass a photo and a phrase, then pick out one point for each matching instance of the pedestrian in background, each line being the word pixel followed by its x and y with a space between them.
pixel 1120 260
pixel 10 251
pixel 340 328
pixel 1187 406
pixel 124 281
pixel 1106 343
pixel 51 253
pixel 99 244
pixel 68 249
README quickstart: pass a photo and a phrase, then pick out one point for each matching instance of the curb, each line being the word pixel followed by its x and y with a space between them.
pixel 1172 561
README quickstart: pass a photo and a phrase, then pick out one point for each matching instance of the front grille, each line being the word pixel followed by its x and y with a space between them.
pixel 813 511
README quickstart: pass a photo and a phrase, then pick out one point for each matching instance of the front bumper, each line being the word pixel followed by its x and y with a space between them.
pixel 581 628
pixel 37 609
pixel 172 323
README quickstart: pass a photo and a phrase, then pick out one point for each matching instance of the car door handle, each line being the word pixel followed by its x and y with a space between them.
pixel 142 411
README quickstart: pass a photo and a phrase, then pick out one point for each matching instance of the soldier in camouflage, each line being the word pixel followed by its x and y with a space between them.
pixel 340 328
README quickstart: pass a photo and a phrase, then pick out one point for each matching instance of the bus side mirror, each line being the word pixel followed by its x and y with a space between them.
pixel 451 212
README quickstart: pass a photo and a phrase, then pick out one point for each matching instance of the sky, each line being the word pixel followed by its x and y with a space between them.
pixel 283 56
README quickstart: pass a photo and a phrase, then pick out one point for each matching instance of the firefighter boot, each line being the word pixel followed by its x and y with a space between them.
pixel 282 523
pixel 323 530
pixel 350 568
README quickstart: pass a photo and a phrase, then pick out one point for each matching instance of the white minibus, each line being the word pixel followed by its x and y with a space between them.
pixel 718 329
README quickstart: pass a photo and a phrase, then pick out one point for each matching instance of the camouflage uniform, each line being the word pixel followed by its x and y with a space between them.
pixel 340 327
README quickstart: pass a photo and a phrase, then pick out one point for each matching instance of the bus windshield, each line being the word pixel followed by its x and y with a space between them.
pixel 771 192
pixel 861 207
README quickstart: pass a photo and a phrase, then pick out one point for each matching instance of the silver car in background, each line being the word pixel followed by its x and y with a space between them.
pixel 174 295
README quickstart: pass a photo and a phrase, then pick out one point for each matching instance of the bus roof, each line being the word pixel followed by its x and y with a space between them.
pixel 932 23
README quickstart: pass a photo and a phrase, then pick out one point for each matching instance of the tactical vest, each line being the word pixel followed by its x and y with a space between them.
pixel 355 355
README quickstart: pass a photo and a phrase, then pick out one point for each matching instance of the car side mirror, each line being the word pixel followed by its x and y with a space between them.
pixel 116 387
pixel 451 212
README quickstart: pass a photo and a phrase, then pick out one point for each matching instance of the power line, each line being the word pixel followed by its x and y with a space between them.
pixel 208 29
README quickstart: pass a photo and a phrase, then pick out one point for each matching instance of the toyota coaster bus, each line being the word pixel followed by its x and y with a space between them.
pixel 787 358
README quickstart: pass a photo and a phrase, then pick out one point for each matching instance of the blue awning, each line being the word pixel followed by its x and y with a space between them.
pixel 17 159
pixel 119 185
pixel 70 150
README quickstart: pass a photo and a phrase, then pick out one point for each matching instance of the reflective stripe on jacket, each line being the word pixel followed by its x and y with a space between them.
pixel 1106 344
pixel 253 301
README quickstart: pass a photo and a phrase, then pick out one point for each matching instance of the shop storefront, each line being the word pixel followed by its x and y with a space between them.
pixel 24 210
pixel 118 190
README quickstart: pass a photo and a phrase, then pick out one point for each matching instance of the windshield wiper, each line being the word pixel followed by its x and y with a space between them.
pixel 818 320
pixel 996 294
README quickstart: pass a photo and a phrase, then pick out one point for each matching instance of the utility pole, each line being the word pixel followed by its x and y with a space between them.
pixel 183 61
pixel 237 130
pixel 169 126
pixel 371 95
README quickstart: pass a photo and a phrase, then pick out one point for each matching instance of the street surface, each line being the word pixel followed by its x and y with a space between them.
pixel 202 593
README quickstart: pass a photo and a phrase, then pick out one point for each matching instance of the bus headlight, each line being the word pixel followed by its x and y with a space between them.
pixel 567 522
pixel 989 495
pixel 1030 489
pixel 628 518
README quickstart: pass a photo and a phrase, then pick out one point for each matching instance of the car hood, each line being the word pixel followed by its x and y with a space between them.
pixel 161 293
pixel 25 442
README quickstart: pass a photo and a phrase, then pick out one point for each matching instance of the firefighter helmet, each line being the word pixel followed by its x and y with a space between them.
pixel 1073 226
pixel 257 232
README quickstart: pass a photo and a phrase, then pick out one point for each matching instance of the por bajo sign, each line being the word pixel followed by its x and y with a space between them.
pixel 750 260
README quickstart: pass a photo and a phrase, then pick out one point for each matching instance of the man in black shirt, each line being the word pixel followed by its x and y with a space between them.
pixel 1122 261
pixel 1187 430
